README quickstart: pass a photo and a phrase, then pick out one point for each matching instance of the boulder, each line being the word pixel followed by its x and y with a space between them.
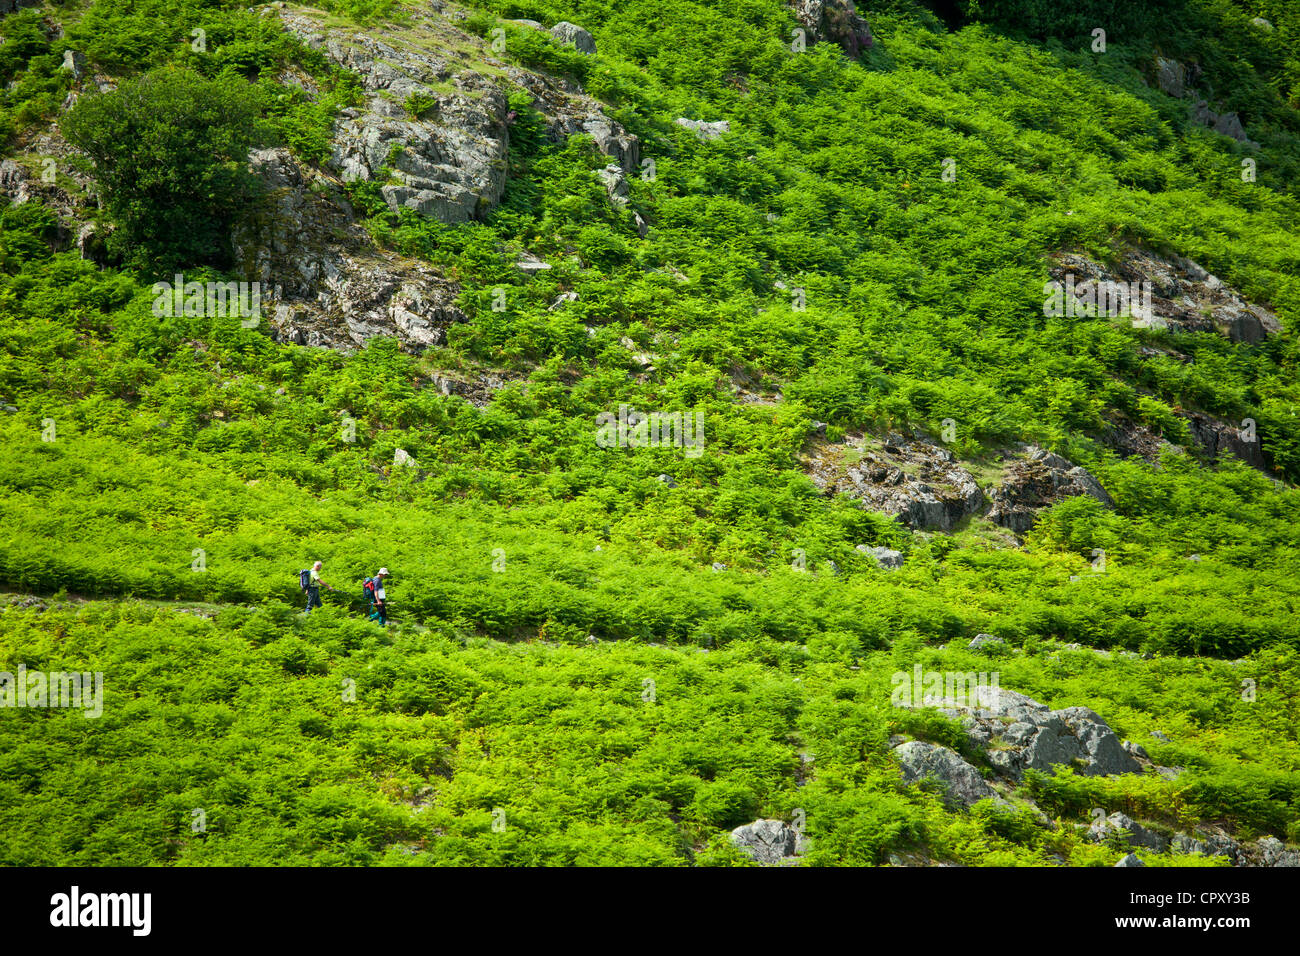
pixel 767 842
pixel 962 783
pixel 575 36
pixel 1130 860
pixel 403 460
pixel 1226 124
pixel 984 640
pixel 616 184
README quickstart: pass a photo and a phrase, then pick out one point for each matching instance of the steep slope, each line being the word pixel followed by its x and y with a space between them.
pixel 700 382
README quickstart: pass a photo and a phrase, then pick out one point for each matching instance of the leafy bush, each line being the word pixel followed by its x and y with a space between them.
pixel 170 151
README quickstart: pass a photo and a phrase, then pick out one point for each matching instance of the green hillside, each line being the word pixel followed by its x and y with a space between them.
pixel 618 655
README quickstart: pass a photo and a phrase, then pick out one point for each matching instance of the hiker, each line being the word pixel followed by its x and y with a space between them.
pixel 374 588
pixel 314 583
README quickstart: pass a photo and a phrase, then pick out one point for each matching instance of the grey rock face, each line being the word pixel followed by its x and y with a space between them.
pixel 768 842
pixel 912 479
pixel 963 785
pixel 1039 481
pixel 984 640
pixel 1218 438
pixel 450 161
pixel 575 36
pixel 1130 860
pixel 319 270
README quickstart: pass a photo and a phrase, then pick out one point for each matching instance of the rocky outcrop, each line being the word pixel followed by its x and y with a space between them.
pixel 767 842
pixel 12 6
pixel 1179 80
pixel 441 133
pixel 1218 438
pixel 323 280
pixel 1038 481
pixel 1123 827
pixel 1021 734
pixel 1128 439
pixel 1182 294
pixel 834 21
pixel 962 784
pixel 1226 124
pixel 1017 733
pixel 919 482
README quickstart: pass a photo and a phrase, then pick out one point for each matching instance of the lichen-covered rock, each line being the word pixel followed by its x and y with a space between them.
pixel 768 842
pixel 575 36
pixel 962 783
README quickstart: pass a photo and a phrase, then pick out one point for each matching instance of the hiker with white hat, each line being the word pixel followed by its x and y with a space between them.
pixel 374 589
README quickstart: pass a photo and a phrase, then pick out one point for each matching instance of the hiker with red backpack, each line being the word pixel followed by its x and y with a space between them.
pixel 373 589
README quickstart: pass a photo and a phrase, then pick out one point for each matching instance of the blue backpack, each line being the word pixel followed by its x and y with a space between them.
pixel 304 578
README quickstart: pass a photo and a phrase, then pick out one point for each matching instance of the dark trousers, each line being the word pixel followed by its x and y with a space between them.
pixel 313 598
